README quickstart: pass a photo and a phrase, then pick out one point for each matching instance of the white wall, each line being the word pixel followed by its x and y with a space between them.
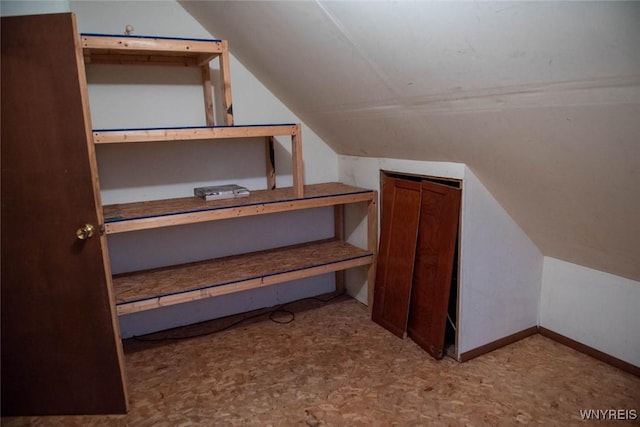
pixel 142 96
pixel 500 268
pixel 500 271
pixel 594 308
pixel 28 7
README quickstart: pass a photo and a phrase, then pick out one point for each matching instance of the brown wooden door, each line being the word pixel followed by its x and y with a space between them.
pixel 439 217
pixel 396 253
pixel 61 352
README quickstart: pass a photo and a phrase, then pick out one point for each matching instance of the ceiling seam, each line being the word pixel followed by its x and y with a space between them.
pixel 341 28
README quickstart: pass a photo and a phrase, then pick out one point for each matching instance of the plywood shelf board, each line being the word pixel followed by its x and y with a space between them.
pixel 141 37
pixel 177 284
pixel 111 136
pixel 260 125
pixel 158 213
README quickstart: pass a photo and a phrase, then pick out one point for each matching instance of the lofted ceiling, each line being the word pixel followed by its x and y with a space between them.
pixel 540 99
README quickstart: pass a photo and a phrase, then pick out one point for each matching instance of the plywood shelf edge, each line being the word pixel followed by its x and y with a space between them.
pixel 129 49
pixel 114 136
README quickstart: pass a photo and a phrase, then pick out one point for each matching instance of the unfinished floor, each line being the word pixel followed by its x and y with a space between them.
pixel 332 366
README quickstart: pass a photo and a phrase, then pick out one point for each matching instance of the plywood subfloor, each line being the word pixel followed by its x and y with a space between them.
pixel 332 366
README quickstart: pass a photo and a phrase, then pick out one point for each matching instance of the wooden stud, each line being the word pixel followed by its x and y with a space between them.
pixel 339 234
pixel 297 167
pixel 207 89
pixel 225 76
pixel 270 162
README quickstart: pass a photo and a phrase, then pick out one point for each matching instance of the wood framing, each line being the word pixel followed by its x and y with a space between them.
pixel 207 90
pixel 123 136
pixel 225 82
pixel 339 234
pixel 113 49
pixel 296 155
pixel 136 50
pixel 270 162
pixel 117 49
pixel 115 136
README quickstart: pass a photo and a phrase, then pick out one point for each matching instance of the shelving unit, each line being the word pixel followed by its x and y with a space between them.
pixel 144 290
pixel 171 285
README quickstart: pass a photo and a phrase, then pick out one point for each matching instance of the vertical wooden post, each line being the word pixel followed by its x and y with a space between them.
pixel 372 246
pixel 225 76
pixel 296 154
pixel 338 222
pixel 270 162
pixel 205 72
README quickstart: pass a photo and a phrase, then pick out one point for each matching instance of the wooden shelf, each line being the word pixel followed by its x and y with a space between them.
pixel 163 213
pixel 122 49
pixel 189 282
pixel 113 136
pixel 143 50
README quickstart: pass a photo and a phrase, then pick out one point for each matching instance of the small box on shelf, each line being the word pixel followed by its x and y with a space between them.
pixel 218 192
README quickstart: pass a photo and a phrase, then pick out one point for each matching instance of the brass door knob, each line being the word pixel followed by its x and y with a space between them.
pixel 85 232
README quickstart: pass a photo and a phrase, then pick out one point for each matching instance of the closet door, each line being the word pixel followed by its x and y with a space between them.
pixel 61 352
pixel 439 218
pixel 396 253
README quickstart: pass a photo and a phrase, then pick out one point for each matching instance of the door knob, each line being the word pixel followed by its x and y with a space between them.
pixel 85 232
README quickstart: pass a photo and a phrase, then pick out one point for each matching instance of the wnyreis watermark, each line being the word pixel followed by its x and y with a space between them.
pixel 608 414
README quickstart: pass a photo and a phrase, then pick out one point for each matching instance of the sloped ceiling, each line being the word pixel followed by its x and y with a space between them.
pixel 541 100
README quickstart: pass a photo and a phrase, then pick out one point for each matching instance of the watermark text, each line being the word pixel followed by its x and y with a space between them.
pixel 609 414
